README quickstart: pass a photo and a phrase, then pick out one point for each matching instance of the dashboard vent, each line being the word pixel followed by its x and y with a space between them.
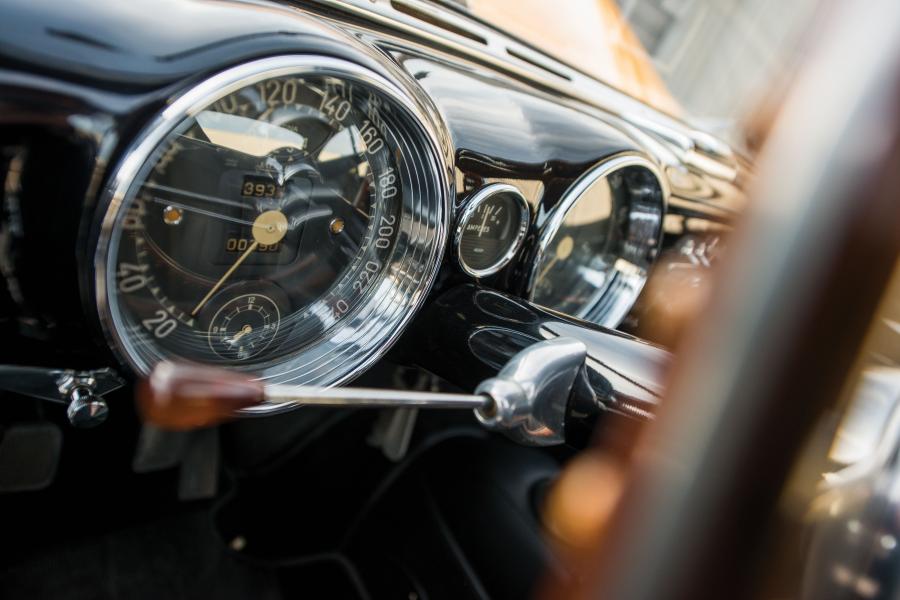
pixel 433 19
pixel 536 63
pixel 443 20
pixel 449 24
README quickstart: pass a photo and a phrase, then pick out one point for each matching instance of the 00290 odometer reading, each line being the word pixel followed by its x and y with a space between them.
pixel 259 223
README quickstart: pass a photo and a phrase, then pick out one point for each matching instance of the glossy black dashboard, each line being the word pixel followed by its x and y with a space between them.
pixel 80 80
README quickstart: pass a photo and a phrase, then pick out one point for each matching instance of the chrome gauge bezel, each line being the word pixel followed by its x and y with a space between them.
pixel 477 199
pixel 611 305
pixel 364 334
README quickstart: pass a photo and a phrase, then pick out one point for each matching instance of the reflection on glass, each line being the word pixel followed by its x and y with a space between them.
pixel 595 261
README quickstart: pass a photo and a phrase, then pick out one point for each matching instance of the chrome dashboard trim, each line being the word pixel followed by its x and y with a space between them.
pixel 502 51
pixel 476 200
pixel 568 201
pixel 372 328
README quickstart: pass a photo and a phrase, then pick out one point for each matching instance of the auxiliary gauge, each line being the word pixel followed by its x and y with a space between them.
pixel 491 229
pixel 244 327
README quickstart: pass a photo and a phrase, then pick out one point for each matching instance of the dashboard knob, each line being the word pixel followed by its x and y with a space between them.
pixel 85 408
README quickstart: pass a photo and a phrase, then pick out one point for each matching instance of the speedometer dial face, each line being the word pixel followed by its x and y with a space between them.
pixel 271 193
pixel 264 220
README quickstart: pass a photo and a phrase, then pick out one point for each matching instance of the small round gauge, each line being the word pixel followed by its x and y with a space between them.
pixel 600 241
pixel 491 229
pixel 244 326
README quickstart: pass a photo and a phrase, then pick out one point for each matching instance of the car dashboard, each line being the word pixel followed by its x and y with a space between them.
pixel 279 188
pixel 392 195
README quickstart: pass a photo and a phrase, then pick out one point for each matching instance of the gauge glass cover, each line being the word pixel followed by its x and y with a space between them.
pixel 263 220
pixel 597 248
pixel 491 229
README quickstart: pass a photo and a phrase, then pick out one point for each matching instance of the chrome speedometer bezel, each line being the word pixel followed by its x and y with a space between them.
pixel 364 334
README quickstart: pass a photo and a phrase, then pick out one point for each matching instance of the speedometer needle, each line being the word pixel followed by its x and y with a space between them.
pixel 269 228
pixel 225 277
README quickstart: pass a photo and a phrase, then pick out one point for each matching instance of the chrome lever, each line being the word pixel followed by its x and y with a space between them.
pixel 369 397
pixel 527 400
pixel 81 391
pixel 531 393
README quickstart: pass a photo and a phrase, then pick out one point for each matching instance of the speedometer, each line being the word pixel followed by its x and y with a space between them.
pixel 284 217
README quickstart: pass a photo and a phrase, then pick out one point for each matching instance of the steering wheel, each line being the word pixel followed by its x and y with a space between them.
pixel 702 512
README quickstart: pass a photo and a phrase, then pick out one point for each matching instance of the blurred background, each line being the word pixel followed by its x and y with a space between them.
pixel 776 474
pixel 708 61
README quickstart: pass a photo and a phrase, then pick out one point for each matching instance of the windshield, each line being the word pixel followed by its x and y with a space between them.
pixel 708 62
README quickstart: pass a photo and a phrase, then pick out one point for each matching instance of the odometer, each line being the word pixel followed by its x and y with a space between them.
pixel 281 212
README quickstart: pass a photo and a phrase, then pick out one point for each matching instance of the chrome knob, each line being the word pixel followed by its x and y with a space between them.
pixel 531 393
pixel 85 408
